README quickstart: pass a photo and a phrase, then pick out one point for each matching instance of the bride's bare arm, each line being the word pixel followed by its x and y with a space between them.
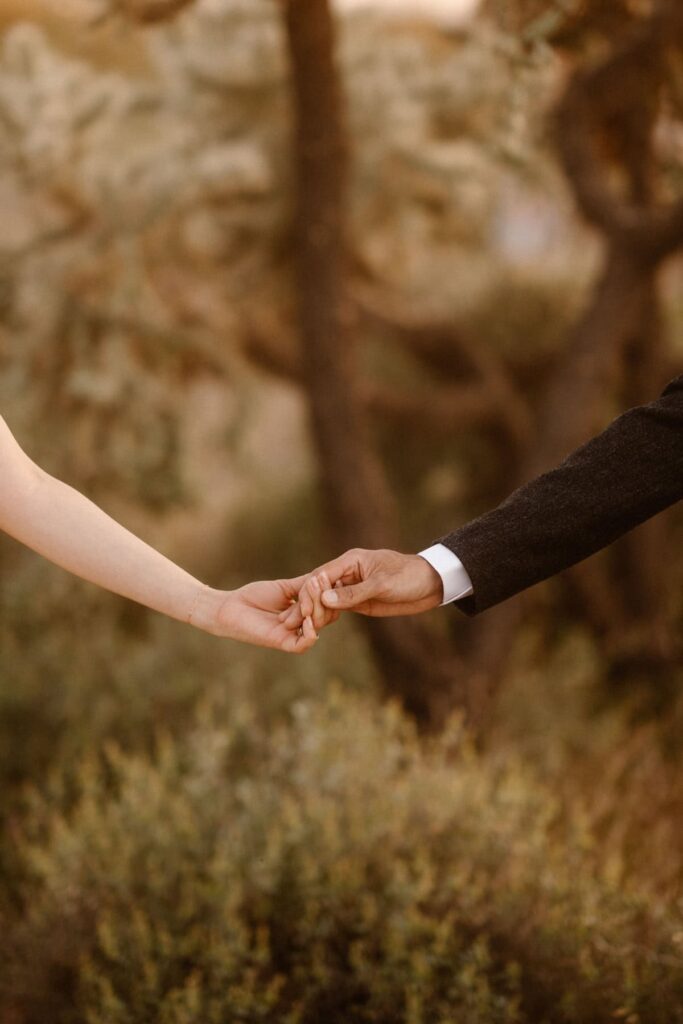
pixel 70 530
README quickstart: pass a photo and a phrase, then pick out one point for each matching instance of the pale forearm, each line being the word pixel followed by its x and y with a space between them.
pixel 64 526
pixel 67 528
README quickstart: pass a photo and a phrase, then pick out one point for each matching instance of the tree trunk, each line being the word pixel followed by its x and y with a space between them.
pixel 414 665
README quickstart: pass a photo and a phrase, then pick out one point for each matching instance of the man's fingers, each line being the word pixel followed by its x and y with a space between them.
pixel 344 569
pixel 327 617
pixel 342 598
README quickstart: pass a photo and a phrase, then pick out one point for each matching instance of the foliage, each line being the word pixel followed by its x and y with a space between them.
pixel 330 868
pixel 150 211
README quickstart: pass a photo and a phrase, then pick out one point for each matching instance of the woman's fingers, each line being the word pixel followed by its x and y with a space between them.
pixel 314 590
pixel 292 617
pixel 304 608
pixel 318 611
pixel 307 599
pixel 310 603
pixel 308 630
pixel 302 640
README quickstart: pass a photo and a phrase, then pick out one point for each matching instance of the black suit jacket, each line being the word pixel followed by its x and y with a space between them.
pixel 622 477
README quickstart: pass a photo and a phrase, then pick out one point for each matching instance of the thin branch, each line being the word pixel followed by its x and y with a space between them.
pixel 438 412
pixel 445 347
pixel 594 99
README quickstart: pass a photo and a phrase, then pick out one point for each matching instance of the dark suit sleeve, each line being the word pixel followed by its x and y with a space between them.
pixel 616 481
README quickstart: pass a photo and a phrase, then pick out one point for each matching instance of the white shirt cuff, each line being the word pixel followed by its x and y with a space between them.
pixel 456 580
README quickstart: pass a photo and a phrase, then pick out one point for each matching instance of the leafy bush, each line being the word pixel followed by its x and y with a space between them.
pixel 333 868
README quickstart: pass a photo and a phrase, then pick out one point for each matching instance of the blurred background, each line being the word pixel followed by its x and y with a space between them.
pixel 280 278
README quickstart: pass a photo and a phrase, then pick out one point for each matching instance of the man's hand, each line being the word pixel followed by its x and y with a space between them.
pixel 252 614
pixel 377 583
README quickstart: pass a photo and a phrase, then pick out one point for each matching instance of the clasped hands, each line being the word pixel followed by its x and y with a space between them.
pixel 288 614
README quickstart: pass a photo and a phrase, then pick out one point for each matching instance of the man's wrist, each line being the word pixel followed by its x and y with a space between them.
pixel 455 579
pixel 428 580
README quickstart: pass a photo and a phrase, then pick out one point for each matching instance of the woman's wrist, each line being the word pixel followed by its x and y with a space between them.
pixel 251 614
pixel 206 608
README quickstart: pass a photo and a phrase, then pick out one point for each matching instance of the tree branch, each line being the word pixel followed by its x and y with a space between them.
pixel 438 412
pixel 613 102
pixel 443 347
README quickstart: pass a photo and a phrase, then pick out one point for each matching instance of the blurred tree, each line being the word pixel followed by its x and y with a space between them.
pixel 147 12
pixel 414 665
pixel 149 240
pixel 151 225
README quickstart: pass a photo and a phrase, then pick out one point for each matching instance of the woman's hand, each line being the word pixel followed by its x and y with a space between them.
pixel 56 521
pixel 252 615
pixel 310 603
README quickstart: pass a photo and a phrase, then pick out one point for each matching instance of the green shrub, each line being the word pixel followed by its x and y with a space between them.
pixel 331 869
